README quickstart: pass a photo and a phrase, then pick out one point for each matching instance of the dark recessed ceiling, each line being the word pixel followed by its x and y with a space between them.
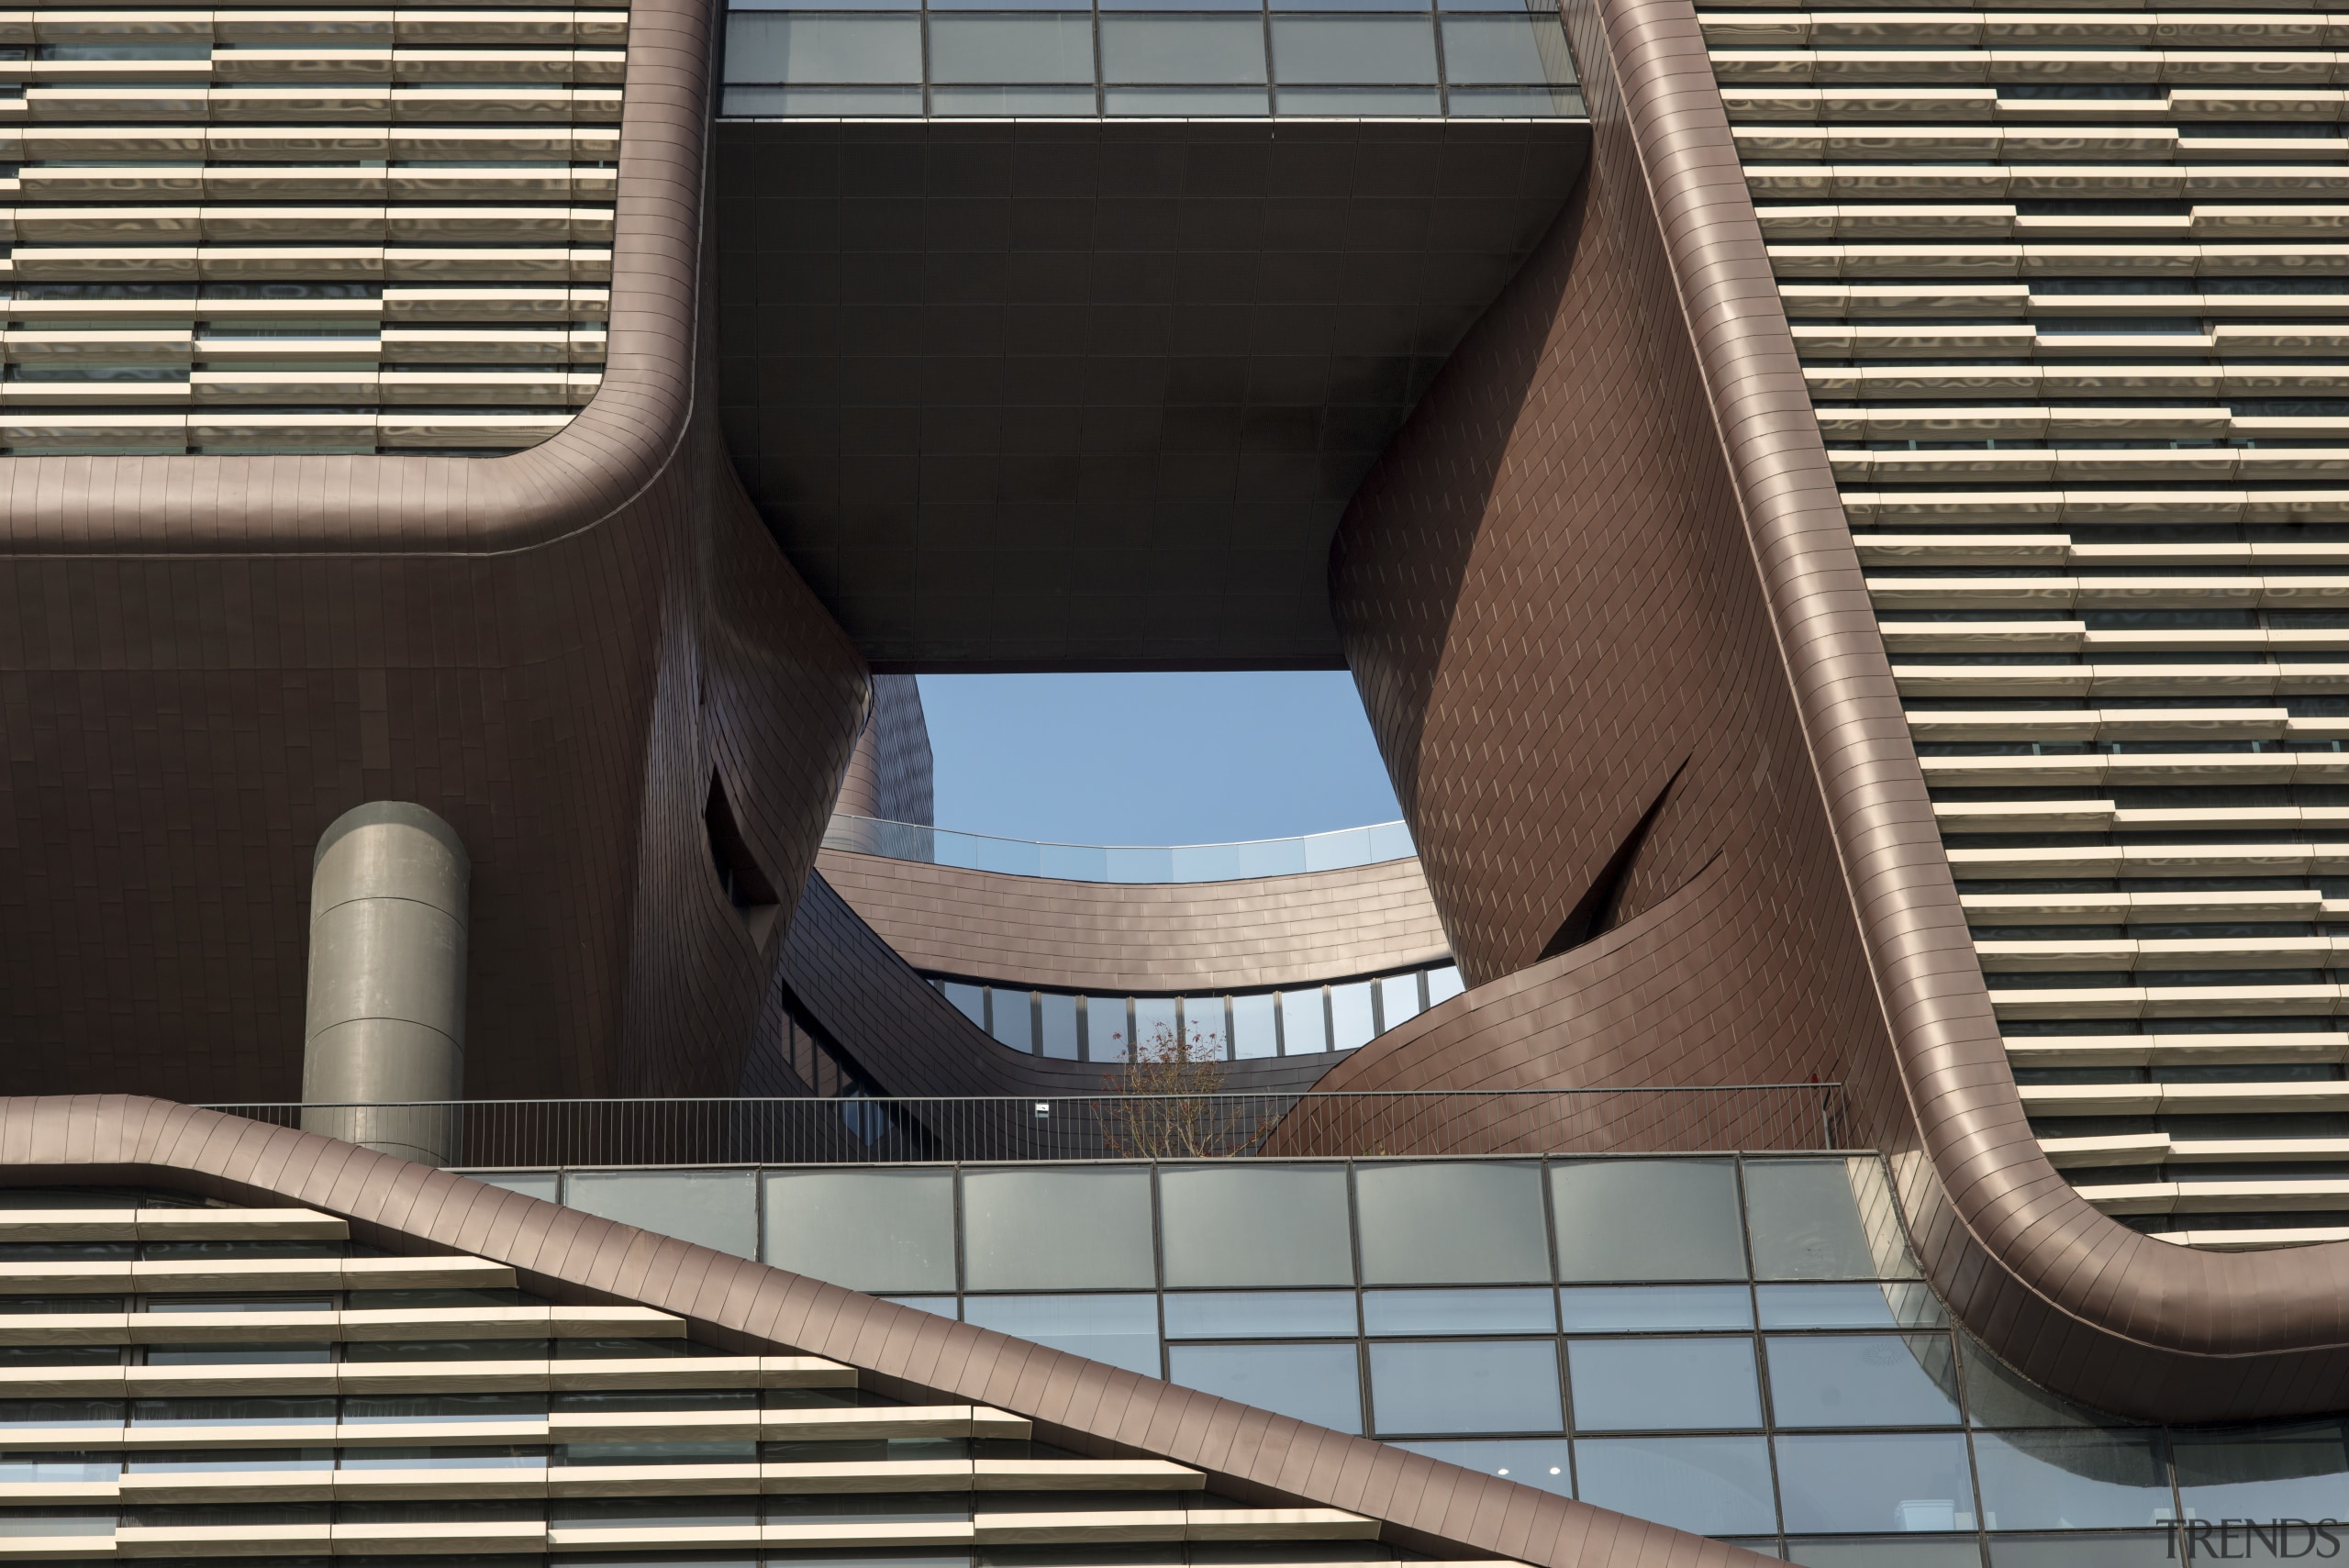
pixel 1094 393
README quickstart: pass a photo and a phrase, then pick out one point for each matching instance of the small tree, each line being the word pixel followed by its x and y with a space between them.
pixel 1162 1106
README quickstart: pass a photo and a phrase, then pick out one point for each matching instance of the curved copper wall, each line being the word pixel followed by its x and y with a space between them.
pixel 206 659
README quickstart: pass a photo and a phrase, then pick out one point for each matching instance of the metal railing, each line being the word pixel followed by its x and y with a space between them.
pixel 1121 862
pixel 859 1130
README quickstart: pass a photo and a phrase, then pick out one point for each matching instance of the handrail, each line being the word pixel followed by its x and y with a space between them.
pixel 1337 850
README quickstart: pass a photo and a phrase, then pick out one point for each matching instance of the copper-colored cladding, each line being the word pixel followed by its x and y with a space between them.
pixel 1120 937
pixel 1250 1454
pixel 203 660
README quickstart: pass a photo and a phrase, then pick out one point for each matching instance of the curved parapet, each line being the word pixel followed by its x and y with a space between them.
pixel 1707 852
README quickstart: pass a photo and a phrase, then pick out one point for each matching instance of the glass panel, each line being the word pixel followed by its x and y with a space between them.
pixel 1956 1552
pixel 1633 1309
pixel 823 101
pixel 1232 1315
pixel 1015 1018
pixel 1998 1396
pixel 1446 1223
pixel 1849 1307
pixel 1060 1012
pixel 876 1231
pixel 943 1306
pixel 1707 1485
pixel 781 47
pixel 1119 1330
pixel 1804 1222
pixel 971 1001
pixel 1063 1230
pixel 1529 1461
pixel 1204 1026
pixel 1305 1023
pixel 1863 1380
pixel 1251 1027
pixel 1486 1385
pixel 1521 1311
pixel 710 1208
pixel 2283 1472
pixel 1105 1039
pixel 1350 1023
pixel 544 1185
pixel 1646 1386
pixel 2070 1480
pixel 1154 1023
pixel 1875 1482
pixel 1516 103
pixel 2084 1552
pixel 1250 1224
pixel 1012 48
pixel 1321 1383
pixel 872 837
pixel 1444 984
pixel 1659 1219
pixel 1506 50
pixel 1398 999
pixel 1182 48
pixel 1352 50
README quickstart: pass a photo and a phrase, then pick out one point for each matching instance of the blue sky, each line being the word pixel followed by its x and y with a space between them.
pixel 1153 759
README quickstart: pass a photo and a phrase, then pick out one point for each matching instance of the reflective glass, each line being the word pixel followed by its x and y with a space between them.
pixel 1060 1011
pixel 2281 1473
pixel 1664 1384
pixel 1506 50
pixel 943 1305
pixel 1888 1552
pixel 544 1185
pixel 1369 103
pixel 1352 1022
pixel 1305 1023
pixel 1529 1461
pixel 971 1001
pixel 1012 1013
pixel 1998 1396
pixel 1365 49
pixel 232 1355
pixel 1444 984
pixel 1253 1314
pixel 1875 1482
pixel 1068 1229
pixel 1187 103
pixel 1444 1222
pixel 1119 1330
pixel 1398 999
pixel 2074 1480
pixel 2141 1550
pixel 1204 1026
pixel 1253 1032
pixel 1240 1223
pixel 876 1230
pixel 718 1209
pixel 1804 1222
pixel 1863 1380
pixel 1514 103
pixel 1321 1383
pixel 823 102
pixel 1154 1022
pixel 1105 1026
pixel 1647 1219
pixel 784 47
pixel 1484 1385
pixel 1707 1485
pixel 1525 1310
pixel 1635 1308
pixel 1901 1306
pixel 1173 49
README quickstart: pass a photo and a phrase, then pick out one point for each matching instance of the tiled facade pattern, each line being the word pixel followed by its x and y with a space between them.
pixel 326 227
pixel 2067 292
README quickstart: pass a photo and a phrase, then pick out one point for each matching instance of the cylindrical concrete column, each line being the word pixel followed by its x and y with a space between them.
pixel 386 1016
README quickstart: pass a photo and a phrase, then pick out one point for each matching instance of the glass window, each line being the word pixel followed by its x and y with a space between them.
pixel 823 102
pixel 1014 1017
pixel 1481 1386
pixel 1252 1314
pixel 710 1208
pixel 2281 1473
pixel 1522 1311
pixel 1863 1380
pixel 1200 103
pixel 1447 1223
pixel 1805 1221
pixel 1119 1330
pixel 876 1231
pixel 1044 47
pixel 1154 1023
pixel 1057 1229
pixel 1058 1011
pixel 1529 1461
pixel 1875 1482
pixel 545 1185
pixel 1647 1219
pixel 1444 984
pixel 1635 1309
pixel 1246 1224
pixel 1175 50
pixel 2142 1551
pixel 1902 1306
pixel 1998 1396
pixel 939 1306
pixel 1365 49
pixel 971 1001
pixel 1892 1551
pixel 1252 1033
pixel 1705 1485
pixel 2070 1480
pixel 1305 1023
pixel 1664 1384
pixel 1321 1383
pixel 1398 999
pixel 783 47
pixel 1205 1028
pixel 1107 1035
pixel 1351 1019
pixel 1506 50
pixel 1515 103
